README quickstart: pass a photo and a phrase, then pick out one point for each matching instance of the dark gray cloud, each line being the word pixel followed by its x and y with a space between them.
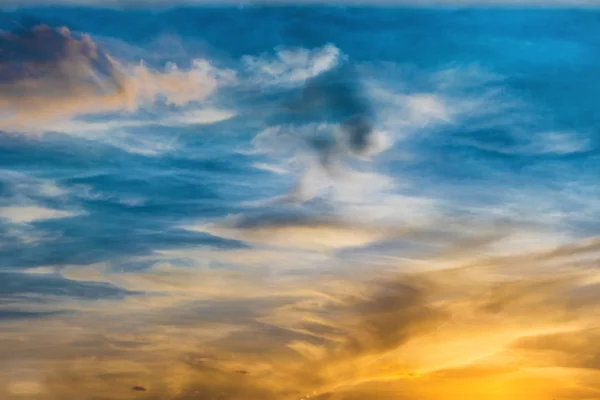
pixel 16 283
pixel 30 52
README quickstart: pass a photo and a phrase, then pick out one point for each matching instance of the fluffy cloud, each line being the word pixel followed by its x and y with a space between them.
pixel 52 74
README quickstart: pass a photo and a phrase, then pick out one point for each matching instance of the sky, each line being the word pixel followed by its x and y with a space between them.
pixel 293 203
pixel 412 3
pixel 162 4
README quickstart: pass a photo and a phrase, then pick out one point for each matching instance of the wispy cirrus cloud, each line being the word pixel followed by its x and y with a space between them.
pixel 25 214
pixel 292 66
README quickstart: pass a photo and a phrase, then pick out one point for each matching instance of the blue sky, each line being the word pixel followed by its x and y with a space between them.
pixel 145 4
pixel 283 202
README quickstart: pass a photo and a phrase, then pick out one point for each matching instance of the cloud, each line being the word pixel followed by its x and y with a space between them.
pixel 308 234
pixel 541 143
pixel 19 187
pixel 349 117
pixel 561 143
pixel 198 117
pixel 320 155
pixel 24 196
pixel 201 116
pixel 337 93
pixel 336 339
pixel 27 214
pixel 417 104
pixel 292 66
pixel 136 135
pixel 182 283
pixel 328 96
pixel 51 74
pixel 331 175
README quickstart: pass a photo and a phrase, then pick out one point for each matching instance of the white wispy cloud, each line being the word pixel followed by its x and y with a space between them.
pixel 26 214
pixel 292 66
pixel 24 192
pixel 21 185
pixel 125 134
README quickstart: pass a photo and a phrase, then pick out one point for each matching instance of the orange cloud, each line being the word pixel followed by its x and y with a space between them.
pixel 483 328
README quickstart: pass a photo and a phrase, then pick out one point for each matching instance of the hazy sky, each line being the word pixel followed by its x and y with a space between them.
pixel 292 203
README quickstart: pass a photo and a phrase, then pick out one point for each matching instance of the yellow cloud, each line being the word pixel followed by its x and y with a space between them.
pixel 469 332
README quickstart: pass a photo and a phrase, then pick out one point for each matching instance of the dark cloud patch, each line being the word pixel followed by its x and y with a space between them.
pixel 336 96
pixel 45 70
pixel 16 283
pixel 282 216
pixel 34 50
pixel 20 314
pixel 384 318
pixel 397 312
pixel 577 349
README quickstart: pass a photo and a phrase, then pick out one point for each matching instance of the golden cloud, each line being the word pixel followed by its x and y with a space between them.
pixel 476 330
